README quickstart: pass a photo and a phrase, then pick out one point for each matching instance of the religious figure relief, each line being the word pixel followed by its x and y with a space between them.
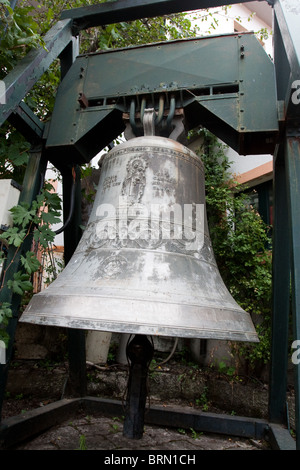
pixel 135 180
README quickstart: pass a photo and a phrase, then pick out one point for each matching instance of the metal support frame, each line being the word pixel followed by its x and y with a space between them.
pixel 292 155
pixel 77 382
pixel 286 250
pixel 28 71
pixel 16 429
pixel 124 10
pixel 59 43
pixel 281 297
pixel 179 73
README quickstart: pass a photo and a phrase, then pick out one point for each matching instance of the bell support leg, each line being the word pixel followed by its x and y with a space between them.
pixel 292 154
pixel 72 234
pixel 280 295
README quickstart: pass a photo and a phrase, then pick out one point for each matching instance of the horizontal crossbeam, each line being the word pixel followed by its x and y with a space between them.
pixel 129 10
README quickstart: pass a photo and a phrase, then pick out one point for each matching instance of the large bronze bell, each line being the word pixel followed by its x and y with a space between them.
pixel 145 263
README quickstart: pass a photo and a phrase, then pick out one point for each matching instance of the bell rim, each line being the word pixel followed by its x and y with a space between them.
pixel 54 317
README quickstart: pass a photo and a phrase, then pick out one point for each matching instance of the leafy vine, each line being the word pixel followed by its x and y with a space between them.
pixel 36 222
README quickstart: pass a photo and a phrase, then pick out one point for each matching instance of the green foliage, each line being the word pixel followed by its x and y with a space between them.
pixel 82 442
pixel 20 283
pixel 13 154
pixel 18 32
pixel 223 368
pixel 37 220
pixel 14 236
pixel 5 315
pixel 203 401
pixel 30 263
pixel 241 245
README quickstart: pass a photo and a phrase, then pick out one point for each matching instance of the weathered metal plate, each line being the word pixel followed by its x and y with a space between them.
pixel 220 82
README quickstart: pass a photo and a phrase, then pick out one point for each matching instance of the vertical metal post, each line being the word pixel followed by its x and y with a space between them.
pixel 293 177
pixel 281 294
pixel 33 178
pixel 72 235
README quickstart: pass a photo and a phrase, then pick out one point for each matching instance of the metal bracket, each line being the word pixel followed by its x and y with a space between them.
pixel 149 121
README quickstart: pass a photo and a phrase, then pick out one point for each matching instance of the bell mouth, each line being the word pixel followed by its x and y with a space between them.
pixel 137 317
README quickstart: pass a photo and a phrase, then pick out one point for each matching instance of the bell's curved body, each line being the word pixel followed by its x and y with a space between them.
pixel 145 264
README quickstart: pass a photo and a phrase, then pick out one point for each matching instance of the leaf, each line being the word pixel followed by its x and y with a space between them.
pixel 14 236
pixel 44 235
pixel 50 217
pixel 53 200
pixel 30 262
pixel 17 153
pixel 22 215
pixel 4 336
pixel 20 283
pixel 50 14
pixel 5 313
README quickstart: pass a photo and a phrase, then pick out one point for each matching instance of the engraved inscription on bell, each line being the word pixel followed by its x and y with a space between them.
pixel 163 183
pixel 109 182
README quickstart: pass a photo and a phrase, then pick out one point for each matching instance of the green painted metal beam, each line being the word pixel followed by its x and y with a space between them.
pixel 28 71
pixel 288 17
pixel 15 430
pixel 281 293
pixel 287 56
pixel 77 380
pixel 129 10
pixel 280 438
pixel 292 154
pixel 287 66
pixel 218 81
pixel 27 123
